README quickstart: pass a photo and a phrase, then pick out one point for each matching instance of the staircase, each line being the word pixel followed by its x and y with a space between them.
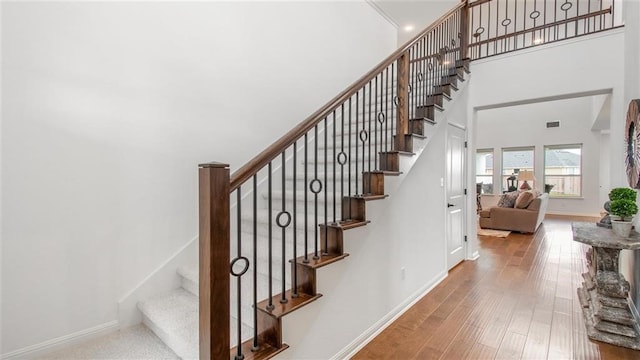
pixel 173 317
pixel 286 213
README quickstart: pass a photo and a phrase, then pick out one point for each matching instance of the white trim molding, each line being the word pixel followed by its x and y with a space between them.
pixel 382 13
pixel 62 341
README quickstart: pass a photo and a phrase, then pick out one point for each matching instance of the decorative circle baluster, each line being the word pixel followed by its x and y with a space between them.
pixel 243 261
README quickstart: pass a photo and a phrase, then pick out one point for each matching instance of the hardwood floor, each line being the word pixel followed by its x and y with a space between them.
pixel 517 301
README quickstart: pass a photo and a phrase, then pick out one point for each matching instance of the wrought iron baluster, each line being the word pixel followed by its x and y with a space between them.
pixel 294 286
pixel 306 199
pixel 386 109
pixel 335 158
pixel 356 143
pixel 315 187
pixel 270 306
pixel 256 345
pixel 326 183
pixel 283 223
pixel 370 136
pixel 342 157
pixel 349 161
pixel 238 275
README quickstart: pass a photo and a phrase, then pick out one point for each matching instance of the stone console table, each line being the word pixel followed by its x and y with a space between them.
pixel 605 291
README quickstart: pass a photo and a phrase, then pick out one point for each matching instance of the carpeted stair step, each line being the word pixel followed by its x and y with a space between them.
pixel 174 319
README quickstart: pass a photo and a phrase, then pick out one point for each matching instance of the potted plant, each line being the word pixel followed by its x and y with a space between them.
pixel 625 209
pixel 620 194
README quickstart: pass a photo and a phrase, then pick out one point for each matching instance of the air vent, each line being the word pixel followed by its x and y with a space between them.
pixel 552 124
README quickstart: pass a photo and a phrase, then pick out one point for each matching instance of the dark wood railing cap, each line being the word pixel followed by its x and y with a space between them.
pixel 214 164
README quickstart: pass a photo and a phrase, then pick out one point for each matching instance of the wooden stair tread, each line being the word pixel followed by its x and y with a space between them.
pixel 453 86
pixel 369 197
pixel 419 136
pixel 350 224
pixel 392 173
pixel 399 152
pixel 291 305
pixel 266 351
pixel 324 260
pixel 432 122
pixel 438 107
pixel 441 93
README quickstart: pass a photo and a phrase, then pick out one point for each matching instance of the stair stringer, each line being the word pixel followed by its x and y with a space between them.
pixel 365 291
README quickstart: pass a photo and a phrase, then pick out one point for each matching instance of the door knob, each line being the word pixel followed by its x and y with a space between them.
pixel 449 205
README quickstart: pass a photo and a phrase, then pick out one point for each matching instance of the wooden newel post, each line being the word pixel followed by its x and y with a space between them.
pixel 402 125
pixel 464 31
pixel 214 261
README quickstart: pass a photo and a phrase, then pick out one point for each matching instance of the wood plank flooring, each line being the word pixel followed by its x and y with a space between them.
pixel 517 301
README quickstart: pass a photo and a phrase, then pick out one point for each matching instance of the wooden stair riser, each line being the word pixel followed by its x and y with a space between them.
pixel 354 208
pixel 446 88
pixel 458 71
pixel 307 281
pixel 464 63
pixel 269 330
pixel 390 161
pixel 407 145
pixel 451 79
pixel 437 99
pixel 427 111
pixel 373 183
pixel 333 244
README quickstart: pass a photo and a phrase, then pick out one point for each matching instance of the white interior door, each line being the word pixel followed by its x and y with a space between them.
pixel 455 184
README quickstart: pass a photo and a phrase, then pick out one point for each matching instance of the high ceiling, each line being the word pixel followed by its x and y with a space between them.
pixel 417 14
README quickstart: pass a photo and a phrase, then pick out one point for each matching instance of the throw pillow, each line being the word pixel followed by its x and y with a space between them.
pixel 508 200
pixel 524 199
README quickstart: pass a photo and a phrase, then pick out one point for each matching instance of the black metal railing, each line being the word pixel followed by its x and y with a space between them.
pixel 321 166
pixel 501 26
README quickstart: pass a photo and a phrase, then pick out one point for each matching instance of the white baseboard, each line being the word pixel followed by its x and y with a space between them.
pixel 562 213
pixel 162 280
pixel 474 256
pixel 358 343
pixel 62 341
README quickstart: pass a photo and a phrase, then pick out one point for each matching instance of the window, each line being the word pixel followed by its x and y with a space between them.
pixel 484 170
pixel 563 170
pixel 513 161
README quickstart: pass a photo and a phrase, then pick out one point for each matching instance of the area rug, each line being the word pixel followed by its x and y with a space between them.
pixel 491 232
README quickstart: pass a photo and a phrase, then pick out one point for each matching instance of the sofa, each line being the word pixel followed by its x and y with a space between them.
pixel 526 220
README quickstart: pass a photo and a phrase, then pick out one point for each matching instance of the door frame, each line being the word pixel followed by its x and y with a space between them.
pixel 464 206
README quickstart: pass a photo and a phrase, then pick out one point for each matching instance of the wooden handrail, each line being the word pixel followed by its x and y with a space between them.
pixel 541 27
pixel 254 165
pixel 478 2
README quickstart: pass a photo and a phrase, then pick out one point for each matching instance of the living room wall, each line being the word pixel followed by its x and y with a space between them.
pixel 525 126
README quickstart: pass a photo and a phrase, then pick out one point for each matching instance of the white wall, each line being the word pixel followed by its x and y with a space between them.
pixel 584 66
pixel 525 125
pixel 1 291
pixel 108 109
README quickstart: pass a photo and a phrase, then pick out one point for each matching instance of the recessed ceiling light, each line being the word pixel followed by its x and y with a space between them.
pixel 537 41
pixel 408 27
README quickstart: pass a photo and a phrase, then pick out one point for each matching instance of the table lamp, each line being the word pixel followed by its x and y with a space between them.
pixel 524 176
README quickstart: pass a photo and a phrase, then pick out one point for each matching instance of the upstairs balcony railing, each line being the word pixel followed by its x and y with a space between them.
pixel 502 26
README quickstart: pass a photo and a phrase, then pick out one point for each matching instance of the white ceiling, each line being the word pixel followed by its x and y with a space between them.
pixel 418 13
